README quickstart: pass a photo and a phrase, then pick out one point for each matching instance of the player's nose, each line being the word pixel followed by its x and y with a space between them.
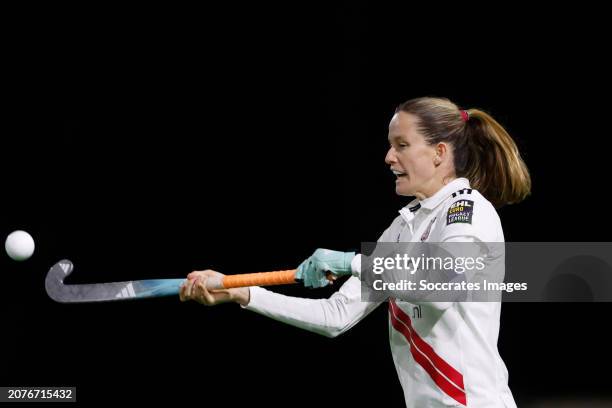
pixel 390 157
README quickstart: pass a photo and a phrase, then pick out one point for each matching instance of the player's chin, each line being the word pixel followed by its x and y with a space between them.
pixel 402 188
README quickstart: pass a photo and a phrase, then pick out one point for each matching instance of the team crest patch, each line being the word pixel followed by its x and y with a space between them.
pixel 460 211
pixel 428 230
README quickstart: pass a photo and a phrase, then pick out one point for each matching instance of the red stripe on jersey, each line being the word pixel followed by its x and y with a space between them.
pixel 452 374
pixel 446 377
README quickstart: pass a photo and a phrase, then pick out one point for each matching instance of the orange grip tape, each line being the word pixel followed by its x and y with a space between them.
pixel 259 279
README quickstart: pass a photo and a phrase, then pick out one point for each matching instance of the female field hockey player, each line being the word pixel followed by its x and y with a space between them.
pixel 446 355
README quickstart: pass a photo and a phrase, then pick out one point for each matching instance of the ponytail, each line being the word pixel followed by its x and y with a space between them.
pixel 483 151
pixel 495 168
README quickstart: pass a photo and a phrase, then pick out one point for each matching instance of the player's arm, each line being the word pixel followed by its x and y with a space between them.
pixel 329 317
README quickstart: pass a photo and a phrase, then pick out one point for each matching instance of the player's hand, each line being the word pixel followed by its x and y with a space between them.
pixel 194 288
pixel 314 270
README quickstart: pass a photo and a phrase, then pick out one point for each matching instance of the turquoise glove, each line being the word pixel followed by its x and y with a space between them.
pixel 313 270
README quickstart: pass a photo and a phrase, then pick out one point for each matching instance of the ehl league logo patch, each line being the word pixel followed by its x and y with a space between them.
pixel 460 211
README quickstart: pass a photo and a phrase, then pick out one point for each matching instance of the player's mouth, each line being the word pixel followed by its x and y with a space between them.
pixel 398 174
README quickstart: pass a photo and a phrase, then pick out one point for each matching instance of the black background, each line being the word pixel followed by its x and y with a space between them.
pixel 150 143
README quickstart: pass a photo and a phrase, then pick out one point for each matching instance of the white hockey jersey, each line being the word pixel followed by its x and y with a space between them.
pixel 445 353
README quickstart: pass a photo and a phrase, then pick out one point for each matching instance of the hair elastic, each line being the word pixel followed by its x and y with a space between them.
pixel 464 115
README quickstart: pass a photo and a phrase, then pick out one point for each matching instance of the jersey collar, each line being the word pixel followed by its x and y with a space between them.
pixel 432 202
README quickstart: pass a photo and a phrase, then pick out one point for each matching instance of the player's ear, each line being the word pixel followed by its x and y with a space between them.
pixel 440 153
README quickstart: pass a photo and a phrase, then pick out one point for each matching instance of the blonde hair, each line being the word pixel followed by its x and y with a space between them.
pixel 484 152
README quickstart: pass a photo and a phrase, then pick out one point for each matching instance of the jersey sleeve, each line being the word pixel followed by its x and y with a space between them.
pixel 329 317
pixel 390 234
pixel 470 218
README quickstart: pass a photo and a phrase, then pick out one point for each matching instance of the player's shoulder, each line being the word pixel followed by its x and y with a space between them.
pixel 465 204
pixel 392 230
pixel 467 212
